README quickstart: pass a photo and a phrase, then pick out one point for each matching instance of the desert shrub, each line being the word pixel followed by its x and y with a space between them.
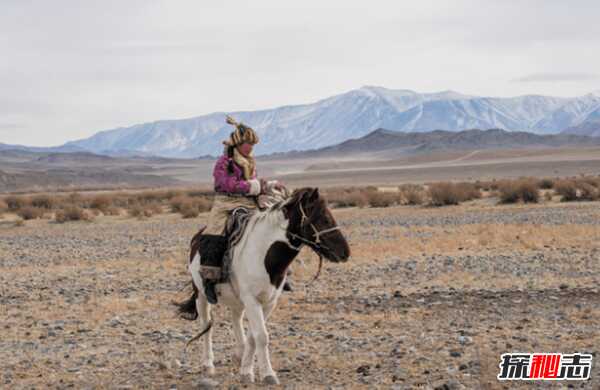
pixel 546 183
pixel 3 206
pixel 148 211
pixel 72 213
pixel 383 199
pixel 351 197
pixel 14 203
pixel 29 212
pixel 111 210
pixel 590 180
pixel 443 194
pixel 567 189
pixel 189 210
pixel 468 191
pixel 548 196
pixel 101 202
pixel 588 191
pixel 43 202
pixel 178 202
pixel 581 189
pixel 189 207
pixel 447 193
pixel 524 190
pixel 412 194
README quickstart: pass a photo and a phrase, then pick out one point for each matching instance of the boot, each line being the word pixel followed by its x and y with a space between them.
pixel 209 290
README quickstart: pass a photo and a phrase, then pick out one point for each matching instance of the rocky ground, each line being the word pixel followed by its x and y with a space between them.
pixel 430 299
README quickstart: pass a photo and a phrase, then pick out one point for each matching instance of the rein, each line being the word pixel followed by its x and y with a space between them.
pixel 316 244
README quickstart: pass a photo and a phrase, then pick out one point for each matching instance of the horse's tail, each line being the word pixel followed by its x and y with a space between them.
pixel 187 309
pixel 195 243
pixel 196 337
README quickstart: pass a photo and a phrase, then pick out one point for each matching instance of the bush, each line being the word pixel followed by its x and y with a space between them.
pixel 185 203
pixel 447 193
pixel 29 212
pixel 351 197
pixel 383 199
pixel 572 190
pixel 546 184
pixel 413 195
pixel 443 194
pixel 101 202
pixel 3 206
pixel 189 210
pixel 111 210
pixel 43 202
pixel 14 203
pixel 73 213
pixel 525 190
pixel 140 211
pixel 567 189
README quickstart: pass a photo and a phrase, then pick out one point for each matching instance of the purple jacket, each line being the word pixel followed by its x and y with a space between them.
pixel 230 182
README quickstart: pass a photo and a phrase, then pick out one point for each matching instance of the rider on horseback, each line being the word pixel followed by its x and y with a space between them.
pixel 236 185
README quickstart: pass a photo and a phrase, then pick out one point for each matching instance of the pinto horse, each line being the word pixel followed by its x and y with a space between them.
pixel 272 240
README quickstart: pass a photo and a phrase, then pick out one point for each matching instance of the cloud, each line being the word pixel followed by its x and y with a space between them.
pixel 553 77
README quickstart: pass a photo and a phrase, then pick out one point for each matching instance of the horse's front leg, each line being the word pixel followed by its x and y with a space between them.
pixel 240 338
pixel 207 351
pixel 260 338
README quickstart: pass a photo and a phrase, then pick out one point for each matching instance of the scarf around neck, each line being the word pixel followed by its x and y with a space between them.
pixel 248 164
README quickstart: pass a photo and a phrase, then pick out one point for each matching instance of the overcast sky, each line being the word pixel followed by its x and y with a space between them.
pixel 71 68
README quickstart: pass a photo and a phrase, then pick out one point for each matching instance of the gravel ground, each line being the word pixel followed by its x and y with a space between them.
pixel 430 299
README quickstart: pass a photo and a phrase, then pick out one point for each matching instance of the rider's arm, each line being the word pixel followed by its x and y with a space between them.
pixel 226 182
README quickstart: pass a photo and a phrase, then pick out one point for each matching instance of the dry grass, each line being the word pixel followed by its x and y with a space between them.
pixel 136 204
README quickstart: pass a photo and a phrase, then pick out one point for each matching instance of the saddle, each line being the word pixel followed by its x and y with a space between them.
pixel 216 250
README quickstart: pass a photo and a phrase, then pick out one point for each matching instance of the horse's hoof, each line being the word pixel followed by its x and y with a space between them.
pixel 271 380
pixel 247 378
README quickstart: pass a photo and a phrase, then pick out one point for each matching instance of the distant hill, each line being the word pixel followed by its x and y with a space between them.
pixel 590 128
pixel 386 140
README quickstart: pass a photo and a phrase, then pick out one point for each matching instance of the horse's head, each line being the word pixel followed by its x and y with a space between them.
pixel 311 223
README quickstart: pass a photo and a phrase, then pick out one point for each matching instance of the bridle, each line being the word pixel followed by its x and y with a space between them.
pixel 316 244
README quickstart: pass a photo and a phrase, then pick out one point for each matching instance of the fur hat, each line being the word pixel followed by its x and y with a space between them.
pixel 241 134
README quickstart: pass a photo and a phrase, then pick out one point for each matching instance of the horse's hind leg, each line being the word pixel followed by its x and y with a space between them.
pixel 247 367
pixel 260 337
pixel 207 351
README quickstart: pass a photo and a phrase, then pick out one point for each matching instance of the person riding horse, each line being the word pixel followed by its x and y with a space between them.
pixel 236 185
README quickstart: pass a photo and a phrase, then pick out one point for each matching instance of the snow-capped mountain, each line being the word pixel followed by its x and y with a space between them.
pixel 350 115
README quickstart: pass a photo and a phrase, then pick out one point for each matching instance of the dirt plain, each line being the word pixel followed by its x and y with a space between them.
pixel 430 299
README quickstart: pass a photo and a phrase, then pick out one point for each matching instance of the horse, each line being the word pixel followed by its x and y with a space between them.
pixel 272 240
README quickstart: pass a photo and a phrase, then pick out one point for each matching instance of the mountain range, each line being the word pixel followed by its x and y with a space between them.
pixel 352 115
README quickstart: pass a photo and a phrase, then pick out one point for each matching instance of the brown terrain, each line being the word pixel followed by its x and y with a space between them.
pixel 357 169
pixel 430 299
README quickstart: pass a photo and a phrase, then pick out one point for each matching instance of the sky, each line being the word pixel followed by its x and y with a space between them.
pixel 69 69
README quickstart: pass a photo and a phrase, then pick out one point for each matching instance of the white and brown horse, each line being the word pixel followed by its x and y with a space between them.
pixel 270 243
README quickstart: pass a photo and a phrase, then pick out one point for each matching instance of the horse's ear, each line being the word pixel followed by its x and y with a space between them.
pixel 314 195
